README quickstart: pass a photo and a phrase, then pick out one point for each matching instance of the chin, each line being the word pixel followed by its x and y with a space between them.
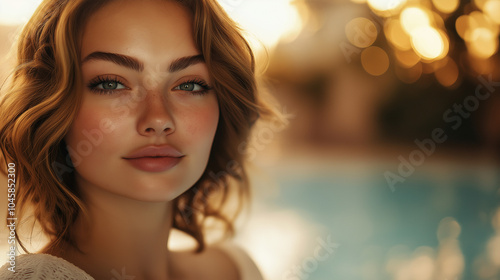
pixel 159 188
pixel 157 192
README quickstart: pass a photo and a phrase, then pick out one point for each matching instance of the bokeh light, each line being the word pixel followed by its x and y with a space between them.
pixel 492 9
pixel 462 25
pixel 385 7
pixel 266 22
pixel 413 18
pixel 396 35
pixel 361 32
pixel 448 228
pixel 480 3
pixel 407 59
pixel 483 43
pixel 447 75
pixel 375 60
pixel 446 6
pixel 494 250
pixel 429 43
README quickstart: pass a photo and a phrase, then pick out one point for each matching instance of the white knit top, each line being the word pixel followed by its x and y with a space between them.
pixel 48 267
pixel 43 267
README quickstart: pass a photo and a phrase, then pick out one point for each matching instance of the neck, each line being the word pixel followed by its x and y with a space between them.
pixel 122 235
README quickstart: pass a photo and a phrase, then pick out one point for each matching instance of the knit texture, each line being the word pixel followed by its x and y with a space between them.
pixel 43 267
pixel 48 267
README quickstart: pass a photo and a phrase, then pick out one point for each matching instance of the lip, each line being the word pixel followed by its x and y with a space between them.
pixel 154 158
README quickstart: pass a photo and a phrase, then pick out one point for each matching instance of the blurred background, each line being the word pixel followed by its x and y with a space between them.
pixel 389 167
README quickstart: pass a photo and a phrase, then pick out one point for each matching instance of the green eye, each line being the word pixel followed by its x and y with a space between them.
pixel 110 85
pixel 190 87
pixel 106 85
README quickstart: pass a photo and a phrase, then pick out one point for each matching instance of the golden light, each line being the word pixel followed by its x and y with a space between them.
pixel 413 18
pixel 429 43
pixel 446 6
pixel 448 228
pixel 375 60
pixel 494 250
pixel 492 9
pixel 462 25
pixel 17 12
pixel 422 266
pixel 361 32
pixel 407 59
pixel 385 7
pixel 267 22
pixel 437 21
pixel 447 75
pixel 396 35
pixel 483 43
pixel 480 3
pixel 478 19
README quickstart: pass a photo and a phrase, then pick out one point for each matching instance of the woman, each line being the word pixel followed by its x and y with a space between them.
pixel 125 120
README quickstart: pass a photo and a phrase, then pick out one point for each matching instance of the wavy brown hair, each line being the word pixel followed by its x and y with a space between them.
pixel 41 101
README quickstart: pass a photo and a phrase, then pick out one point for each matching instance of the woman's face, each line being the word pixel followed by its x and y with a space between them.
pixel 148 117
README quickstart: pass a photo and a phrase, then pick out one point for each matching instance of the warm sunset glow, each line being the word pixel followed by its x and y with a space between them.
pixel 266 22
pixel 17 12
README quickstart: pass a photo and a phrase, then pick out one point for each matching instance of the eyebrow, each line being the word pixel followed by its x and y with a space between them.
pixel 133 63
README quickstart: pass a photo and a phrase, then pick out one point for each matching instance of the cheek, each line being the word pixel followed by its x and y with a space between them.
pixel 201 124
pixel 90 133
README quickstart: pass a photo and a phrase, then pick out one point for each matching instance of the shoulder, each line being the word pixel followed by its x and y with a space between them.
pixel 41 266
pixel 220 261
pixel 247 269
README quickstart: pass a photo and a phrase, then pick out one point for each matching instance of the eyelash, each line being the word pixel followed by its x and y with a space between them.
pixel 205 87
pixel 92 85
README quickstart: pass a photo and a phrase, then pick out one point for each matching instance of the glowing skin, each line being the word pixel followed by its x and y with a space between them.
pixel 147 107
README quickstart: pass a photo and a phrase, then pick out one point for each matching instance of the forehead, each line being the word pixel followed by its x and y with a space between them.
pixel 147 29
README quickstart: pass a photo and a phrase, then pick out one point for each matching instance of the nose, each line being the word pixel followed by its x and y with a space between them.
pixel 156 118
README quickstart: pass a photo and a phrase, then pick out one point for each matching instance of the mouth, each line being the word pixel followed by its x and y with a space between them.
pixel 154 163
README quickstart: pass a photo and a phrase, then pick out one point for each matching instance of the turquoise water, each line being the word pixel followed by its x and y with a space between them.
pixel 376 227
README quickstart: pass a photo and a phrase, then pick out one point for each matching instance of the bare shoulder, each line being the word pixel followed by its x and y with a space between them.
pixel 221 261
